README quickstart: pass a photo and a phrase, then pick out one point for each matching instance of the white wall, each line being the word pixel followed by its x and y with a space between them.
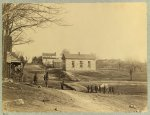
pixel 77 65
pixel 47 61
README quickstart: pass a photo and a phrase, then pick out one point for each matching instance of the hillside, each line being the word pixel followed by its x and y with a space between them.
pixel 67 100
pixel 54 99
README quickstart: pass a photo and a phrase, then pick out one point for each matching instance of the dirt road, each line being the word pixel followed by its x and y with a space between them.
pixel 103 103
pixel 85 102
pixel 69 100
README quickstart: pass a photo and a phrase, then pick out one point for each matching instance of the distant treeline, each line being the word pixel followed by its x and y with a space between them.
pixel 113 64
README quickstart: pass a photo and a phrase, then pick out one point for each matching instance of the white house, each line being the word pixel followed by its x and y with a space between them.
pixel 79 62
pixel 48 58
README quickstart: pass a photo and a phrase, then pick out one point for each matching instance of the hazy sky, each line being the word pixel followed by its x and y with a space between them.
pixel 110 30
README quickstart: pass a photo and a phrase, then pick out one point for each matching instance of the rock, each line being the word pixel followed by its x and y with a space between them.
pixel 14 102
pixel 5 80
pixel 11 80
pixel 20 88
pixel 39 86
pixel 56 109
pixel 19 101
pixel 137 110
pixel 8 80
pixel 132 106
pixel 94 98
pixel 12 88
pixel 45 99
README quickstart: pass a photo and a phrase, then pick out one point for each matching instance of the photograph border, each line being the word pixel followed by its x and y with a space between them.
pixel 78 1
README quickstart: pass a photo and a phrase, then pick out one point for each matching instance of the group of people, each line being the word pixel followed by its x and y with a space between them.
pixel 35 79
pixel 100 89
pixel 103 88
pixel 16 72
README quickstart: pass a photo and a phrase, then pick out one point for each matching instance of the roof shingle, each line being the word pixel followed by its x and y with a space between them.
pixel 80 56
pixel 49 54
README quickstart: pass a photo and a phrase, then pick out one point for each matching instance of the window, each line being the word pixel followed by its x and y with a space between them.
pixel 89 64
pixel 81 64
pixel 73 64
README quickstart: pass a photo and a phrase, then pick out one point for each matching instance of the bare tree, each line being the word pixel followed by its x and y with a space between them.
pixel 131 67
pixel 65 51
pixel 18 17
pixel 24 60
pixel 37 60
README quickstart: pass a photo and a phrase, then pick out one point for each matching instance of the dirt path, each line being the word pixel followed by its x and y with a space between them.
pixel 69 100
pixel 104 103
pixel 86 102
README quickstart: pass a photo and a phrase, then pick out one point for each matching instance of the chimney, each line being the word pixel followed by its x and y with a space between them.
pixel 79 53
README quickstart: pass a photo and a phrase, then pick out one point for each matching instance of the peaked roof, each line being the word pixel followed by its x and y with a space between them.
pixel 79 56
pixel 12 57
pixel 49 54
pixel 13 54
pixel 57 60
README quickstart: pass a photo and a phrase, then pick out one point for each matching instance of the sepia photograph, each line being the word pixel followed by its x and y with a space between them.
pixel 74 57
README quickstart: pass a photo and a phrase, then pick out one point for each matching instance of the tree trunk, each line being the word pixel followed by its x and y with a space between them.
pixel 5 64
pixel 5 36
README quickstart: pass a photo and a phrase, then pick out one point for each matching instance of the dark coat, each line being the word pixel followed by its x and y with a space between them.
pixel 46 77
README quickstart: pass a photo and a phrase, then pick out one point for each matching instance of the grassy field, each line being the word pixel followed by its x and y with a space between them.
pixel 89 75
pixel 67 100
pixel 33 97
pixel 118 79
pixel 126 92
pixel 126 88
pixel 110 75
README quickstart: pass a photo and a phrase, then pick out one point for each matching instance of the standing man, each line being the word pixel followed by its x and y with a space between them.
pixel 35 79
pixel 112 89
pixel 104 89
pixel 46 79
pixel 100 89
pixel 88 89
pixel 131 72
pixel 62 85
pixel 96 89
pixel 91 89
pixel 21 76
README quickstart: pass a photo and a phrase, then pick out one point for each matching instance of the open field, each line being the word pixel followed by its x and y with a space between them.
pixel 110 75
pixel 126 92
pixel 67 100
pixel 98 75
pixel 120 82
